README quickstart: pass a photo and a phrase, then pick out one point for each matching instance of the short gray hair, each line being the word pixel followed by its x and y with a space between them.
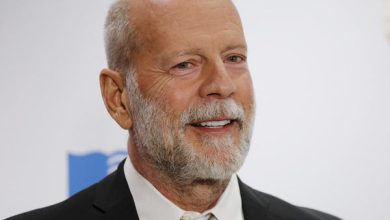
pixel 120 37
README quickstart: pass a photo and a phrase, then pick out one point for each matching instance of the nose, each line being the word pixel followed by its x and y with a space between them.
pixel 218 82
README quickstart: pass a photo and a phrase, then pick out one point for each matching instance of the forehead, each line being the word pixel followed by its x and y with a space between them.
pixel 159 20
pixel 161 7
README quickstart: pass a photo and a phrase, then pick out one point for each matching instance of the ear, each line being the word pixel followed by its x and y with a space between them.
pixel 115 97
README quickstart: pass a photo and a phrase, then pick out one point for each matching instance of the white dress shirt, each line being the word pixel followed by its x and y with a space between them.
pixel 152 205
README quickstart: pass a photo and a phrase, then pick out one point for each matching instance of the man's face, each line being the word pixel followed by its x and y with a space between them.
pixel 193 106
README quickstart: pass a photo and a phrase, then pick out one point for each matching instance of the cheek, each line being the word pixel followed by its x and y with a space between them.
pixel 154 86
pixel 245 96
pixel 245 89
pixel 179 96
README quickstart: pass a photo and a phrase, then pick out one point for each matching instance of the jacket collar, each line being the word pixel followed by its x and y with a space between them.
pixel 113 198
pixel 253 206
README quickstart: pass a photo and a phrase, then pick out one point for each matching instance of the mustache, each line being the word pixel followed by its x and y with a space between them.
pixel 216 109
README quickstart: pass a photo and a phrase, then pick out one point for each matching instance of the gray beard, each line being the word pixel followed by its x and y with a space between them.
pixel 159 137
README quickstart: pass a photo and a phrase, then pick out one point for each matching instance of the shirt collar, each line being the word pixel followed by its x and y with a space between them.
pixel 229 205
pixel 151 204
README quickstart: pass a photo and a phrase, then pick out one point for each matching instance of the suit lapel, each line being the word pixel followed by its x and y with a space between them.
pixel 122 211
pixel 253 206
pixel 114 200
pixel 113 197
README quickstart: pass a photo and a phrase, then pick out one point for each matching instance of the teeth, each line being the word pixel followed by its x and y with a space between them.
pixel 215 123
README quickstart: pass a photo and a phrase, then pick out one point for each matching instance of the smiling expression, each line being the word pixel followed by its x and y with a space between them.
pixel 193 59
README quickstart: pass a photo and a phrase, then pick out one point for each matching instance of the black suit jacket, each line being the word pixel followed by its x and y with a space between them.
pixel 111 199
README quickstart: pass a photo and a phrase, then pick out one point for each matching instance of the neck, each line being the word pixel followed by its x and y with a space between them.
pixel 197 195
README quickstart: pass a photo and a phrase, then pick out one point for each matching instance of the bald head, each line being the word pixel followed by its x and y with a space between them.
pixel 132 24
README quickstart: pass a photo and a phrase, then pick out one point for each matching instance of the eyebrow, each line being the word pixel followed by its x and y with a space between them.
pixel 237 46
pixel 197 50
pixel 187 52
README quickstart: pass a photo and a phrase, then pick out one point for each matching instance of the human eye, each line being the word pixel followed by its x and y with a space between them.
pixel 183 68
pixel 235 59
pixel 183 65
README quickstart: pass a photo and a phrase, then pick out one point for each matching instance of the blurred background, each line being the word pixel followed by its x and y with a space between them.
pixel 321 71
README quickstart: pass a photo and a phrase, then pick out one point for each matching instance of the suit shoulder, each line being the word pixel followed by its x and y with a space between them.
pixel 279 209
pixel 79 204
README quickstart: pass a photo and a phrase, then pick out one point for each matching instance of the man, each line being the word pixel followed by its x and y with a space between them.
pixel 178 81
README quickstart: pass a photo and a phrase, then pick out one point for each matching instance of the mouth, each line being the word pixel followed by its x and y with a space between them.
pixel 213 124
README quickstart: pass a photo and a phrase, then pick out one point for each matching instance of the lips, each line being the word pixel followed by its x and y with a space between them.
pixel 213 123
